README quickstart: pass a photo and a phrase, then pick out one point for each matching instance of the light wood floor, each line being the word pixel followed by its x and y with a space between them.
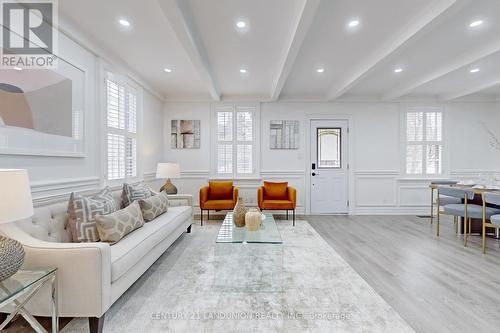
pixel 435 284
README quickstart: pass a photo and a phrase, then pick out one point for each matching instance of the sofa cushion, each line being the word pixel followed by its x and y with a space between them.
pixel 115 226
pixel 277 204
pixel 154 206
pixel 133 192
pixel 495 219
pixel 220 190
pixel 473 211
pixel 129 251
pixel 82 211
pixel 275 191
pixel 218 204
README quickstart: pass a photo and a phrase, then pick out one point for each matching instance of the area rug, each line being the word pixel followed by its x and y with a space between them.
pixel 321 293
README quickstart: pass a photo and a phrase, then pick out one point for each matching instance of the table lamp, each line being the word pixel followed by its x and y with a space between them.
pixel 168 170
pixel 15 204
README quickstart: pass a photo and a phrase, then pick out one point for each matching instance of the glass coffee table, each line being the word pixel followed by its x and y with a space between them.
pixel 248 260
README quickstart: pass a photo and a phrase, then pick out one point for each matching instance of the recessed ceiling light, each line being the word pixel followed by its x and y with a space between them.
pixel 398 70
pixel 168 70
pixel 476 23
pixel 243 70
pixel 17 68
pixel 475 70
pixel 320 70
pixel 353 23
pixel 241 24
pixel 124 22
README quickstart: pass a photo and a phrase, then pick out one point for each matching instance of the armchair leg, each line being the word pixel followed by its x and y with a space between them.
pixel 287 214
pixel 208 215
pixel 294 217
pixel 201 218
pixel 96 324
pixel 189 229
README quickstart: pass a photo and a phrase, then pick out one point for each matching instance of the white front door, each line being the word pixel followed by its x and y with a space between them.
pixel 328 171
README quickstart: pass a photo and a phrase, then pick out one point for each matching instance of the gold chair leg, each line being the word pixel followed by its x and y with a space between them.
pixel 455 223
pixel 432 205
pixel 437 224
pixel 484 237
pixel 465 231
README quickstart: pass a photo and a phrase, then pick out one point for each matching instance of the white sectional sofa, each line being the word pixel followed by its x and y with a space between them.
pixel 92 276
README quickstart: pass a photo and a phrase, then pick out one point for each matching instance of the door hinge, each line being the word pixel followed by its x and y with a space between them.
pixel 347 203
pixel 347 129
pixel 347 166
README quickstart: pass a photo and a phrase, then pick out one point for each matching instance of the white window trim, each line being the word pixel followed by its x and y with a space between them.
pixel 445 168
pixel 104 130
pixel 256 150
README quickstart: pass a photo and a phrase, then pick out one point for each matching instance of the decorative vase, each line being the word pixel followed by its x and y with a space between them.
pixel 239 212
pixel 11 257
pixel 253 219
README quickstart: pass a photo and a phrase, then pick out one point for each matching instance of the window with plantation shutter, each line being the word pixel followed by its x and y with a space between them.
pixel 235 140
pixel 424 146
pixel 121 124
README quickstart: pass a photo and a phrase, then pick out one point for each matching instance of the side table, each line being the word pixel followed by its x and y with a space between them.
pixel 20 288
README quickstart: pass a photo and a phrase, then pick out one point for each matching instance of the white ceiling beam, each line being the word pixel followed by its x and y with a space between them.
pixel 450 66
pixel 437 12
pixel 180 19
pixel 304 22
pixel 470 91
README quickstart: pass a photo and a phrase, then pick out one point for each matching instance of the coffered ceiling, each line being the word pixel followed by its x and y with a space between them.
pixel 319 50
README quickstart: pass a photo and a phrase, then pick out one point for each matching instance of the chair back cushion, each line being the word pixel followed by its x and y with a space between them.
pixel 493 198
pixel 456 192
pixel 275 191
pixel 220 190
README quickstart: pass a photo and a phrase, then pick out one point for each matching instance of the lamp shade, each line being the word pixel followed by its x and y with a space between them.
pixel 15 195
pixel 168 170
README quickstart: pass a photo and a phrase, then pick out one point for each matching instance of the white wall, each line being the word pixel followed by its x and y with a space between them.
pixel 52 178
pixel 376 183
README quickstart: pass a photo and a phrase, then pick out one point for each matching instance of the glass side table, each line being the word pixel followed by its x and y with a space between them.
pixel 20 288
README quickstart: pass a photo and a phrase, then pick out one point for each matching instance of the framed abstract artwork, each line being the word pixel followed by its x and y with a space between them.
pixel 42 111
pixel 185 134
pixel 284 134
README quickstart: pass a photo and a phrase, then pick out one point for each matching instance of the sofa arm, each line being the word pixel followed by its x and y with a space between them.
pixel 292 195
pixel 175 200
pixel 83 273
pixel 235 195
pixel 260 196
pixel 203 196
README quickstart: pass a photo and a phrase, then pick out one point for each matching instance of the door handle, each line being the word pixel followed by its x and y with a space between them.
pixel 313 174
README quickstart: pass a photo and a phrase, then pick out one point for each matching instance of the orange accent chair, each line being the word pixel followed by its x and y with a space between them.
pixel 218 195
pixel 277 196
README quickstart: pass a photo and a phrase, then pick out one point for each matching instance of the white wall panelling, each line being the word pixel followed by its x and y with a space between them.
pixel 377 185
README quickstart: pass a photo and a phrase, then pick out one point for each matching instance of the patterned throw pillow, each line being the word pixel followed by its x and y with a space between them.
pixel 133 192
pixel 82 211
pixel 115 226
pixel 154 206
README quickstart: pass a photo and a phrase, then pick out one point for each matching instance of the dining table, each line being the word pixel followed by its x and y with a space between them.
pixel 476 224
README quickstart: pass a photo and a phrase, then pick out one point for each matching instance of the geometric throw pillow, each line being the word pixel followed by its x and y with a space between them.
pixel 154 206
pixel 82 211
pixel 115 226
pixel 133 192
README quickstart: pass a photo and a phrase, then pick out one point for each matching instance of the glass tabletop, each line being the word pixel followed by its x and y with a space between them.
pixel 21 281
pixel 267 234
